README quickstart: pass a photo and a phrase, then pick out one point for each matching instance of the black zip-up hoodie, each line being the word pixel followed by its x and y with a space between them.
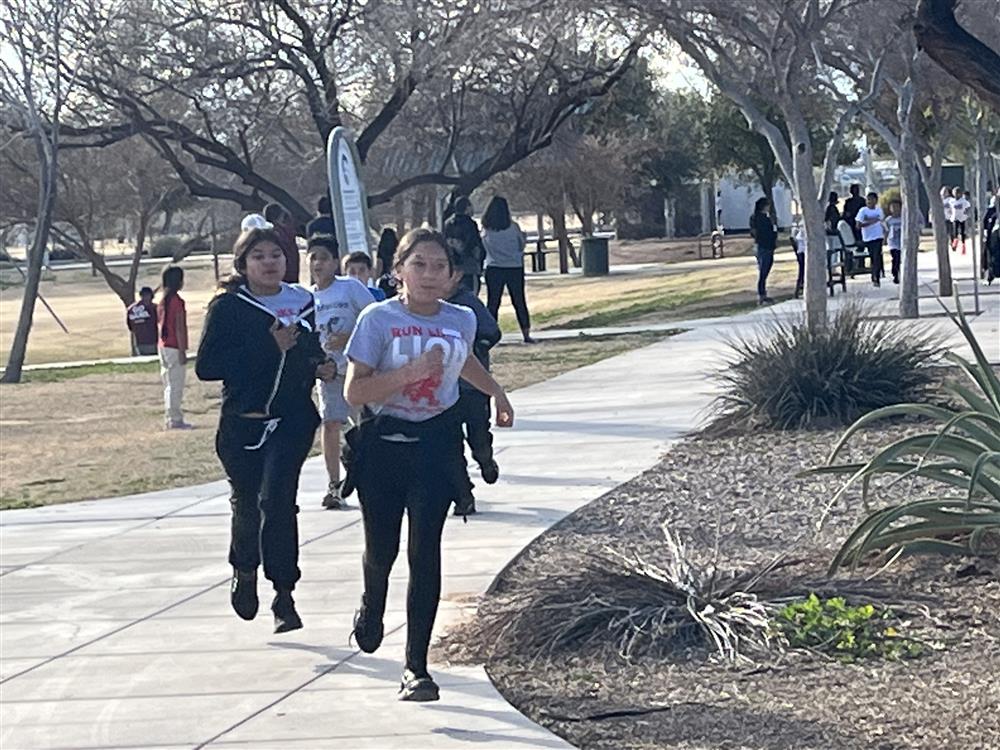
pixel 257 377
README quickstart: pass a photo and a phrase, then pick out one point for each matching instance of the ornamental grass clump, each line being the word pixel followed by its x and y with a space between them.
pixel 790 376
pixel 628 606
pixel 959 461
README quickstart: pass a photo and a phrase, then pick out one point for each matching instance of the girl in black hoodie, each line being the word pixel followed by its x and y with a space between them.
pixel 260 341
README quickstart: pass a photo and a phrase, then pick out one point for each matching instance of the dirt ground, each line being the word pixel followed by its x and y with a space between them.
pixel 744 491
pixel 101 435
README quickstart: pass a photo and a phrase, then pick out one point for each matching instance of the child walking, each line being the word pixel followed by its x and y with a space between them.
pixel 869 220
pixel 171 316
pixel 260 341
pixel 405 357
pixel 765 238
pixel 339 301
pixel 894 238
pixel 960 206
pixel 473 404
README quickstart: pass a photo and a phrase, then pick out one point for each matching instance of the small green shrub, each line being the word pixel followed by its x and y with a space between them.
pixel 844 631
pixel 166 246
pixel 789 376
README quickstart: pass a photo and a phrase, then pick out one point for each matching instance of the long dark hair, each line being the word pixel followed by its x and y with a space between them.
pixel 497 214
pixel 246 242
pixel 761 205
pixel 387 245
pixel 171 281
pixel 413 238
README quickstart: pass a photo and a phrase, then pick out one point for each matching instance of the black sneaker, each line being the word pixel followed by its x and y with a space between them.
pixel 490 472
pixel 243 593
pixel 465 505
pixel 367 631
pixel 285 616
pixel 418 688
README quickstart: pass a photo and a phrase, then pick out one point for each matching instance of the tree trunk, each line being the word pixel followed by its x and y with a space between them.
pixel 48 175
pixel 558 215
pixel 909 306
pixel 932 184
pixel 140 241
pixel 812 218
pixel 669 218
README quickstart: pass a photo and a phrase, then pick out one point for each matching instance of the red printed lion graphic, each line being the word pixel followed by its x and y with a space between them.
pixel 423 390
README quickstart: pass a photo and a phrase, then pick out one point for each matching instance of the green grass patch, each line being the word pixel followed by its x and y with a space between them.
pixel 60 374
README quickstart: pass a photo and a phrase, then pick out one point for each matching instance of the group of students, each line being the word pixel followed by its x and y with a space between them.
pixel 406 373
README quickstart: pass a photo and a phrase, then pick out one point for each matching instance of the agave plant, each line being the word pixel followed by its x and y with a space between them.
pixel 961 456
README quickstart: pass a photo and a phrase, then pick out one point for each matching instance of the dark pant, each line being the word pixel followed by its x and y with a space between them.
pixel 874 248
pixel 413 477
pixel 894 253
pixel 959 231
pixel 765 259
pixel 474 408
pixel 265 483
pixel 800 258
pixel 470 281
pixel 513 279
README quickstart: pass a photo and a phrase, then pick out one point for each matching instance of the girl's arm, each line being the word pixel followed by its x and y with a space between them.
pixel 366 386
pixel 180 323
pixel 476 375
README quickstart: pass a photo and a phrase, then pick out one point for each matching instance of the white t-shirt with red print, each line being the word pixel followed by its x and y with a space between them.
pixel 388 336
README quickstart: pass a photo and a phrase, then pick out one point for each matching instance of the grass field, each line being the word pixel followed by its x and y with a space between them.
pixel 657 291
pixel 97 431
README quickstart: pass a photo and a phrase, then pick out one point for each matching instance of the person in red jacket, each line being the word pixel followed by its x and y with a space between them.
pixel 284 227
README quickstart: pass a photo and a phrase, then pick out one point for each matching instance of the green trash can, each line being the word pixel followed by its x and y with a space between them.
pixel 595 256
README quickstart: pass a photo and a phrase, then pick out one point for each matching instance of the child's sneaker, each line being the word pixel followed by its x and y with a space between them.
pixel 333 500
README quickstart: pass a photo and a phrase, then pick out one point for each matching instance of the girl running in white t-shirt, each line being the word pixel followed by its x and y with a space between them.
pixel 404 359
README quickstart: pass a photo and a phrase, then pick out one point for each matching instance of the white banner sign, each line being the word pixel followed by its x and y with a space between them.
pixel 347 191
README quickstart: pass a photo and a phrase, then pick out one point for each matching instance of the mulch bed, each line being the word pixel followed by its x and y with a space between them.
pixel 740 493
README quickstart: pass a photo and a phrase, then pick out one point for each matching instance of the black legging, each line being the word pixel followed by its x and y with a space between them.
pixel 877 261
pixel 418 478
pixel 513 279
pixel 265 483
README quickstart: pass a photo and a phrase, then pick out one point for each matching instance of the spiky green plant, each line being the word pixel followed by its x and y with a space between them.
pixel 790 375
pixel 961 457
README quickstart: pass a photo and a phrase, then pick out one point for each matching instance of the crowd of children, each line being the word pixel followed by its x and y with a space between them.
pixel 396 349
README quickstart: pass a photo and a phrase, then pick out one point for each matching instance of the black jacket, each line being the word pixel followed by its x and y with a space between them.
pixel 257 377
pixel 463 237
pixel 762 230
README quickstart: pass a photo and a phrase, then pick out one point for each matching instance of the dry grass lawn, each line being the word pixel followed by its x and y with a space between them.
pixel 100 434
pixel 671 286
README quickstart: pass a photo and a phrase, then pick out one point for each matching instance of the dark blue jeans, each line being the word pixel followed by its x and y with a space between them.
pixel 765 259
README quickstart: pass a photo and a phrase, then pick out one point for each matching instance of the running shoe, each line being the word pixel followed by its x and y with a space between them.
pixel 243 593
pixel 285 616
pixel 334 500
pixel 419 688
pixel 367 631
pixel 179 425
pixel 490 472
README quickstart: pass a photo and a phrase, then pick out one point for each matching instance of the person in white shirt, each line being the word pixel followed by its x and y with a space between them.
pixel 870 219
pixel 960 206
pixel 339 301
pixel 948 203
pixel 894 225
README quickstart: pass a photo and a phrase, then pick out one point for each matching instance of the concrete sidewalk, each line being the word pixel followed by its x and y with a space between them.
pixel 116 629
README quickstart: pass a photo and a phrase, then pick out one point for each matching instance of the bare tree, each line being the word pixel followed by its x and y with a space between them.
pixel 772 50
pixel 231 93
pixel 31 34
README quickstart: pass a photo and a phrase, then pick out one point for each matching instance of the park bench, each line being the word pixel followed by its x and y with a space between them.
pixel 855 255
